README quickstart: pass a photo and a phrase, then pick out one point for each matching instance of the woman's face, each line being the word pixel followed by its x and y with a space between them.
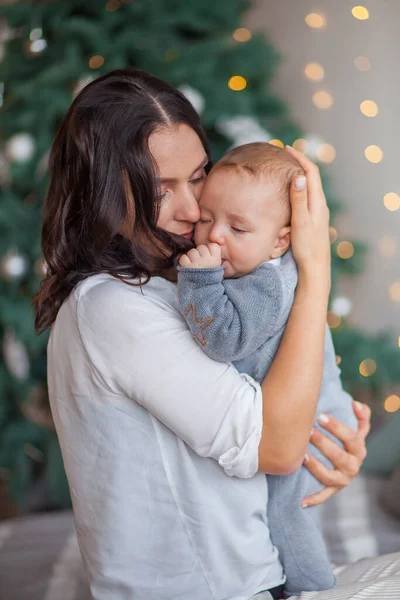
pixel 181 161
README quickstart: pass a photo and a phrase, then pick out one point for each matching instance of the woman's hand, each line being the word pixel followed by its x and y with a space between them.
pixel 347 461
pixel 310 220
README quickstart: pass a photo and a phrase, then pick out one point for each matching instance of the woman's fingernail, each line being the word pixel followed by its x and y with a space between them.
pixel 304 505
pixel 312 431
pixel 306 458
pixel 300 183
pixel 358 404
pixel 324 419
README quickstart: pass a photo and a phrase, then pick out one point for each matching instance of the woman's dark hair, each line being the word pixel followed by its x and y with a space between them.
pixel 100 148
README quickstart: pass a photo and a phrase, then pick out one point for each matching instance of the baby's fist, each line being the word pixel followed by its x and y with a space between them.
pixel 202 257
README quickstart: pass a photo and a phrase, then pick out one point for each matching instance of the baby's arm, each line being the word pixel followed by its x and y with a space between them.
pixel 229 318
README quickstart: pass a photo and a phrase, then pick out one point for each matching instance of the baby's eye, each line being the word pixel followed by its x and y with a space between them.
pixel 238 230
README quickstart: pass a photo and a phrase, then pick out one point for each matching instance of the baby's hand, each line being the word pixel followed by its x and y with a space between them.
pixel 202 257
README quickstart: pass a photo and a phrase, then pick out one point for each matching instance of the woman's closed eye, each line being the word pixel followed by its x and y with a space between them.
pixel 238 230
pixel 198 179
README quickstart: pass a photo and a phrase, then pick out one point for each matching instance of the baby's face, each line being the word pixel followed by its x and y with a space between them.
pixel 241 215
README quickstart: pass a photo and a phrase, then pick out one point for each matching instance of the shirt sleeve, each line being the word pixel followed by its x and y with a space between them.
pixel 140 347
pixel 231 318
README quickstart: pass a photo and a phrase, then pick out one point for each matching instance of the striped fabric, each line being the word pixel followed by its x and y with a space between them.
pixel 40 559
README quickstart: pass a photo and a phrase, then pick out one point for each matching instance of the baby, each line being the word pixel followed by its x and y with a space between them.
pixel 236 290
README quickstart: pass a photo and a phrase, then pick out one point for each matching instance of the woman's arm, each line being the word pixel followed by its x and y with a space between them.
pixel 291 387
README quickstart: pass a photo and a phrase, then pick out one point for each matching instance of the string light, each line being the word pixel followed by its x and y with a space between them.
pixel 333 320
pixel 277 143
pixel 242 35
pixel 333 234
pixel 392 403
pixel 398 341
pixel 322 99
pixel 96 61
pixel 315 20
pixel 345 250
pixel 326 153
pixel 237 83
pixel 338 360
pixel 362 63
pixel 391 201
pixel 314 71
pixel 300 145
pixel 369 108
pixel 360 12
pixel 394 291
pixel 387 246
pixel 367 367
pixel 373 153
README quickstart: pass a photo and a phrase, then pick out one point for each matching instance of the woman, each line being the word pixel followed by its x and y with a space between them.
pixel 165 449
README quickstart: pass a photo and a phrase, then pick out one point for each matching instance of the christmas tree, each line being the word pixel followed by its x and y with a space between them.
pixel 48 52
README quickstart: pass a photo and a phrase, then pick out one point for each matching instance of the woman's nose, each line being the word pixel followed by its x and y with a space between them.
pixel 188 209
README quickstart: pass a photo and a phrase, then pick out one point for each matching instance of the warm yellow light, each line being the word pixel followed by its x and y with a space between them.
pixel 171 54
pixel 345 250
pixel 278 143
pixel 360 12
pixel 398 341
pixel 392 403
pixel 362 63
pixel 326 153
pixel 391 201
pixel 237 83
pixel 333 234
pixel 338 360
pixel 96 61
pixel 322 99
pixel 315 20
pixel 387 246
pixel 394 291
pixel 367 367
pixel 333 319
pixel 242 34
pixel 113 5
pixel 373 153
pixel 300 145
pixel 369 108
pixel 314 71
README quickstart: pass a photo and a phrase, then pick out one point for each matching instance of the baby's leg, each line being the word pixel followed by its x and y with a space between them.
pixel 295 531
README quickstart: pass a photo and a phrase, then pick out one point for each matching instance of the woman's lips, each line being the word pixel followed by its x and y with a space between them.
pixel 188 235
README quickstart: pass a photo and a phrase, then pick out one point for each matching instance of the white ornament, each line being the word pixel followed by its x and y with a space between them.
pixel 15 355
pixel 20 147
pixel 81 83
pixel 13 265
pixel 342 306
pixel 242 130
pixel 195 98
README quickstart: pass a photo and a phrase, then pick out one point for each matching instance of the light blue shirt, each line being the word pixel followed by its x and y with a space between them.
pixel 160 445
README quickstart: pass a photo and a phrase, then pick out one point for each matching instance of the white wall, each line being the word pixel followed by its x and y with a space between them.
pixel 360 184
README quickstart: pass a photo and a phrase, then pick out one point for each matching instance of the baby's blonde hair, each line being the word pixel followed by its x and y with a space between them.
pixel 261 159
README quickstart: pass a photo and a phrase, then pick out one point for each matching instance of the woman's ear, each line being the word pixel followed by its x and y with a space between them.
pixel 282 242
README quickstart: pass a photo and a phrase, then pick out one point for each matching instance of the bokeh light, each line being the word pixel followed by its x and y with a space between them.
pixel 333 320
pixel 326 153
pixel 360 12
pixel 369 108
pixel 96 61
pixel 277 143
pixel 392 403
pixel 394 291
pixel 391 200
pixel 322 99
pixel 362 63
pixel 367 367
pixel 242 34
pixel 314 71
pixel 315 20
pixel 237 83
pixel 345 250
pixel 333 234
pixel 373 153
pixel 387 246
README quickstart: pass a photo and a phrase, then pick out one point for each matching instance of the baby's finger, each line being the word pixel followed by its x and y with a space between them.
pixel 193 254
pixel 185 261
pixel 320 497
pixel 215 250
pixel 203 251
